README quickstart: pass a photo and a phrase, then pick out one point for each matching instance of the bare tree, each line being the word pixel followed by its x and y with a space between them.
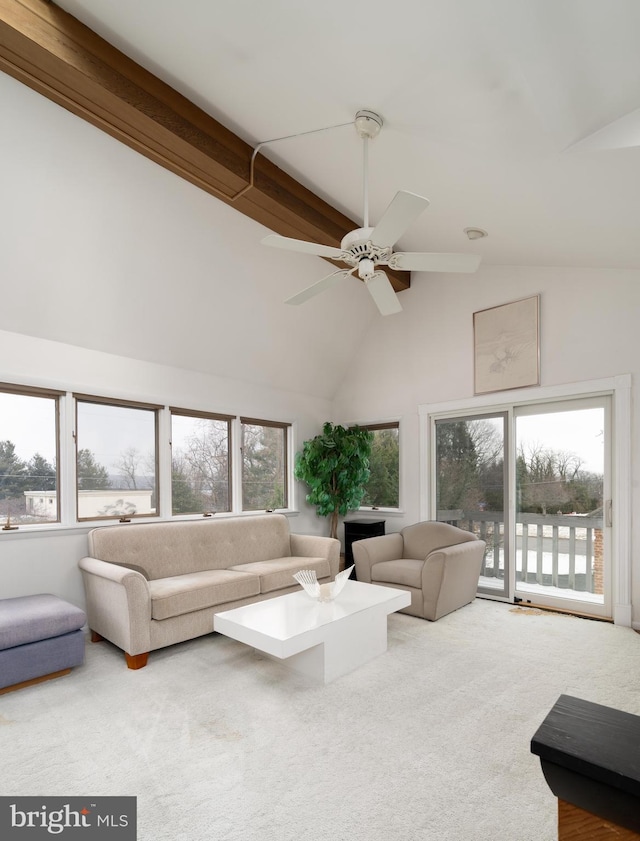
pixel 204 463
pixel 487 440
pixel 568 465
pixel 544 475
pixel 136 469
pixel 128 467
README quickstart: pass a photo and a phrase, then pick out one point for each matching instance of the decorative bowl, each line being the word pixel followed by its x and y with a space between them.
pixel 322 592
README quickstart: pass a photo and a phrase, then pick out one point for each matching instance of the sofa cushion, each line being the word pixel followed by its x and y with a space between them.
pixel 276 574
pixel 180 594
pixel 405 571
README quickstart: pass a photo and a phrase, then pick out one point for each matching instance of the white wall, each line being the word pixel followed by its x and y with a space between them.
pixel 589 326
pixel 47 561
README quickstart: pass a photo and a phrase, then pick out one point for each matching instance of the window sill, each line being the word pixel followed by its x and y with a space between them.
pixel 387 512
pixel 44 531
pixel 86 525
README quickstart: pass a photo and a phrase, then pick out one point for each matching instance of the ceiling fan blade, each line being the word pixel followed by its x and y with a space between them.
pixel 383 294
pixel 622 133
pixel 403 210
pixel 318 287
pixel 434 262
pixel 302 246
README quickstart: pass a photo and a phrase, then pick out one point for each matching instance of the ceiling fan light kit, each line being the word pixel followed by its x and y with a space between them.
pixel 475 233
pixel 367 248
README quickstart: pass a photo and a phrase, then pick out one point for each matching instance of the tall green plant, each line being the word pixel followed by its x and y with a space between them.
pixel 335 466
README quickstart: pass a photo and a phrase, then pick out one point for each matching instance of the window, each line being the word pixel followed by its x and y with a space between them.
pixel 383 487
pixel 200 462
pixel 28 456
pixel 68 458
pixel 116 459
pixel 264 465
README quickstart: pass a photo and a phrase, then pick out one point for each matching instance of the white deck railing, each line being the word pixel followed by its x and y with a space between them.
pixel 559 550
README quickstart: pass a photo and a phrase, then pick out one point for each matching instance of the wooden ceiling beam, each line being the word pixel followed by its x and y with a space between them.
pixel 53 53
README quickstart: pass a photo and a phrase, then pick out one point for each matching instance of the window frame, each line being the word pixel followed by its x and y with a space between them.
pixel 285 426
pixel 56 395
pixel 196 413
pixel 380 426
pixel 121 404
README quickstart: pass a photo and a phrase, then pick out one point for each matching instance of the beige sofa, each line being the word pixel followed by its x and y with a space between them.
pixel 149 585
pixel 437 563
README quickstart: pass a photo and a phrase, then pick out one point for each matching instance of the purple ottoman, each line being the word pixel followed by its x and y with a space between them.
pixel 40 638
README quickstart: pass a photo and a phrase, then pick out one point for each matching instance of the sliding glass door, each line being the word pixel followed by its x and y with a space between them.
pixel 563 502
pixel 471 480
pixel 533 481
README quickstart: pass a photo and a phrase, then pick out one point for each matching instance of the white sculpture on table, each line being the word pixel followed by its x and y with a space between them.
pixel 322 592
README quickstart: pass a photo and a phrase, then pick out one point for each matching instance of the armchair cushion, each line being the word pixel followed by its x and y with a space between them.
pixel 404 571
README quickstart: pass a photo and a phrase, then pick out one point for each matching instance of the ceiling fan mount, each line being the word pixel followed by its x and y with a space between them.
pixel 367 248
pixel 368 124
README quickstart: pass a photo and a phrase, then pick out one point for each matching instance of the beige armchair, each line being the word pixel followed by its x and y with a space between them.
pixel 437 563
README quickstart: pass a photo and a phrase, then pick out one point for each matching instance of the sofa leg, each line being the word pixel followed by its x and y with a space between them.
pixel 95 636
pixel 137 661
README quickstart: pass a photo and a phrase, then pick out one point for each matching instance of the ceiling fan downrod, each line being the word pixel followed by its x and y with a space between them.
pixel 368 125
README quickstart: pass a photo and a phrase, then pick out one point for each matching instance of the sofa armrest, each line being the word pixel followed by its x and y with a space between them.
pixel 118 604
pixel 314 546
pixel 373 550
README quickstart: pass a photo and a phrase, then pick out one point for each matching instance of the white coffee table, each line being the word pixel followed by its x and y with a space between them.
pixel 323 640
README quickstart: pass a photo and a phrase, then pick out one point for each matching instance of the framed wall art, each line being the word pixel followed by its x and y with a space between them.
pixel 506 346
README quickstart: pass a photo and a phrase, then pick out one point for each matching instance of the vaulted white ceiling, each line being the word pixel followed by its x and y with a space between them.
pixel 483 104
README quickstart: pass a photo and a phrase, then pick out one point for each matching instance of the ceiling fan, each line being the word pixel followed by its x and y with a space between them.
pixel 367 248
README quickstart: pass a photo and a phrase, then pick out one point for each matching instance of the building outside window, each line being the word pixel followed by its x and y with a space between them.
pixel 264 465
pixel 116 459
pixel 383 487
pixel 28 456
pixel 200 462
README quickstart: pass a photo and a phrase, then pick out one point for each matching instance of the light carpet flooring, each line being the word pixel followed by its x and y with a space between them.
pixel 429 741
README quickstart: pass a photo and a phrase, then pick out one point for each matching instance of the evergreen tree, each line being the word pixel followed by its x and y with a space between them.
pixel 263 473
pixel 383 486
pixel 92 476
pixel 457 467
pixel 13 472
pixel 41 474
pixel 184 499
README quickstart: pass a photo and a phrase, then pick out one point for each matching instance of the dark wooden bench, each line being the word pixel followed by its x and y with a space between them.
pixel 590 757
